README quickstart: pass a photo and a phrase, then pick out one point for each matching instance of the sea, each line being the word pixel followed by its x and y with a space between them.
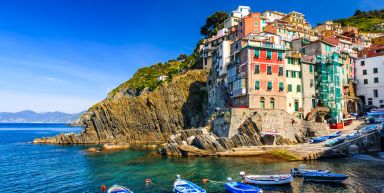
pixel 28 167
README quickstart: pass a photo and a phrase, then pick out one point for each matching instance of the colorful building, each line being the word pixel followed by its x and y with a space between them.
pixel 378 40
pixel 252 23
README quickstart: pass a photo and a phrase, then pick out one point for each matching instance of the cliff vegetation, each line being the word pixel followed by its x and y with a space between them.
pixel 365 21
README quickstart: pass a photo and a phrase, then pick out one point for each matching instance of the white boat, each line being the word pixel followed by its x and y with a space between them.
pixel 267 179
pixel 184 186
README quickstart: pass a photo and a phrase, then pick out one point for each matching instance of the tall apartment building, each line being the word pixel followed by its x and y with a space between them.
pixel 252 23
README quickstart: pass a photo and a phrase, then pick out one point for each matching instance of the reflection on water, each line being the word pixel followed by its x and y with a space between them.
pixel 53 168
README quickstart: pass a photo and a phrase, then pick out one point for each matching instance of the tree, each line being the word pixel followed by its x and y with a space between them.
pixel 182 57
pixel 358 12
pixel 213 23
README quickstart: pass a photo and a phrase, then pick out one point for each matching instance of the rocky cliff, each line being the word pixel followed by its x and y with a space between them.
pixel 149 118
pixel 246 128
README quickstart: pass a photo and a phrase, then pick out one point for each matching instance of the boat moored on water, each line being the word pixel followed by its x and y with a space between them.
pixel 267 179
pixel 335 134
pixel 300 171
pixel 324 177
pixel 185 186
pixel 119 189
pixel 239 187
pixel 335 141
pixel 369 129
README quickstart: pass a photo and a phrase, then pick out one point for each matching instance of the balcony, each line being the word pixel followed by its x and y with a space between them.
pixel 265 45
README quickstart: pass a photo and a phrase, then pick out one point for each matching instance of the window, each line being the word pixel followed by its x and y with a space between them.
pixel 375 70
pixel 269 70
pixel 370 101
pixel 269 86
pixel 256 24
pixel 375 93
pixel 300 75
pixel 257 69
pixel 262 103
pixel 298 88
pixel 310 68
pixel 293 74
pixel 257 53
pixel 272 103
pixel 256 17
pixel 327 48
pixel 303 50
pixel 281 71
pixel 362 63
pixel 365 81
pixel 311 83
pixel 376 80
pixel 280 56
pixel 257 85
pixel 313 103
pixel 287 73
pixel 289 87
pixel 281 86
pixel 269 54
pixel 364 72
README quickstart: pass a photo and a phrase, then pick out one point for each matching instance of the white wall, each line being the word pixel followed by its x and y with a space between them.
pixel 367 89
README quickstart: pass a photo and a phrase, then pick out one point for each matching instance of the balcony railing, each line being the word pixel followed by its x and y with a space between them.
pixel 265 45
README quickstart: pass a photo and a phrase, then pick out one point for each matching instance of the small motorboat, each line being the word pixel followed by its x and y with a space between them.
pixel 369 129
pixel 335 141
pixel 118 189
pixel 298 172
pixel 267 179
pixel 239 187
pixel 335 134
pixel 319 139
pixel 185 186
pixel 324 177
pixel 353 135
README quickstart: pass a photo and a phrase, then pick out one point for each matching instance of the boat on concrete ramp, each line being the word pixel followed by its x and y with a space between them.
pixel 284 179
pixel 324 177
pixel 239 187
pixel 119 189
pixel 300 171
pixel 185 186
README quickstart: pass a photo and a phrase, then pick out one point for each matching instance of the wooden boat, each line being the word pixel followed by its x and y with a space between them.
pixel 298 172
pixel 238 187
pixel 335 141
pixel 369 129
pixel 118 189
pixel 267 179
pixel 185 186
pixel 324 177
pixel 319 139
pixel 335 134
pixel 353 135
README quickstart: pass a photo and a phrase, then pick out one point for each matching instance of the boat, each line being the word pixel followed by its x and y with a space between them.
pixel 118 189
pixel 377 110
pixel 324 177
pixel 369 129
pixel 335 141
pixel 353 135
pixel 185 186
pixel 239 187
pixel 319 139
pixel 335 134
pixel 298 172
pixel 267 179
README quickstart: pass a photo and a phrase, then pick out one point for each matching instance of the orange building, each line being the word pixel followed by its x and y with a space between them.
pixel 252 23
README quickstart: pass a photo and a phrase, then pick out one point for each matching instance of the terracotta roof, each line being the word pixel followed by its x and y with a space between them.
pixel 331 40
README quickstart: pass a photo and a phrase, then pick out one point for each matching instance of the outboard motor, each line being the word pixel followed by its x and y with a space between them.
pixel 229 179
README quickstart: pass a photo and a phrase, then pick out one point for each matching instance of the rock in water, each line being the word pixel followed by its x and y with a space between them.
pixel 145 119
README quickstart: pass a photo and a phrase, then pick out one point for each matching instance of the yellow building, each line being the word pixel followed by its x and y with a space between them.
pixel 378 40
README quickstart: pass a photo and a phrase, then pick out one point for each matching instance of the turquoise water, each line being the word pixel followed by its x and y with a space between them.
pixel 26 167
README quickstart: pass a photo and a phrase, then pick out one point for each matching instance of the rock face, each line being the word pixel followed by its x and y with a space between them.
pixel 146 119
pixel 254 128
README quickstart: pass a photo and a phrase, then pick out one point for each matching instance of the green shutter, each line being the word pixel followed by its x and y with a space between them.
pixel 298 88
pixel 257 53
pixel 269 85
pixel 269 70
pixel 289 87
pixel 310 68
pixel 300 74
pixel 269 54
pixel 280 55
pixel 287 73
pixel 293 74
pixel 281 86
pixel 257 69
pixel 257 85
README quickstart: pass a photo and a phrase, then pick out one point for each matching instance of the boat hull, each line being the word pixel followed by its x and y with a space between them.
pixel 300 173
pixel 268 179
pixel 324 177
pixel 119 189
pixel 238 187
pixel 184 186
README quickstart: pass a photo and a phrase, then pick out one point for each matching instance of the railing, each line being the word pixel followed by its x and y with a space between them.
pixel 265 45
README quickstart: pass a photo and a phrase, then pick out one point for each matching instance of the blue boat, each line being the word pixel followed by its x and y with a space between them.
pixel 319 139
pixel 369 129
pixel 335 141
pixel 238 187
pixel 185 186
pixel 118 189
pixel 353 135
pixel 324 177
pixel 335 134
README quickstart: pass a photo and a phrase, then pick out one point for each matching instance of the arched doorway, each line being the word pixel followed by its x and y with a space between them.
pixel 272 103
pixel 262 102
pixel 296 105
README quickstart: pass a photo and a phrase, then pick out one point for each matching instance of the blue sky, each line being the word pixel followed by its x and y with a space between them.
pixel 65 55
